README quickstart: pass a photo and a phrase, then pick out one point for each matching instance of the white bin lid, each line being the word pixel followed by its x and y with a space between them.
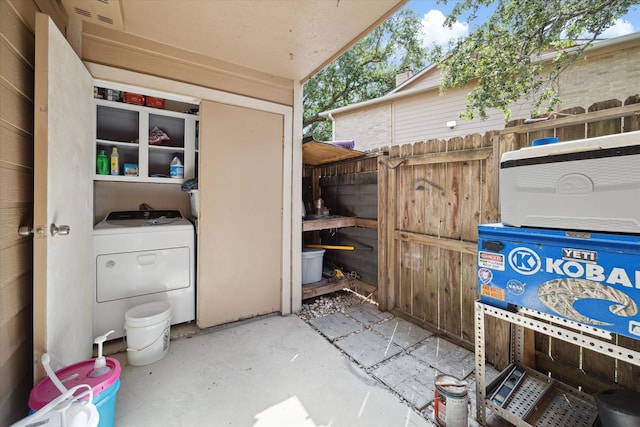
pixel 576 146
pixel 312 252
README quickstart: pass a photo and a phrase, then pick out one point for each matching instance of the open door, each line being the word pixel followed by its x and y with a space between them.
pixel 63 198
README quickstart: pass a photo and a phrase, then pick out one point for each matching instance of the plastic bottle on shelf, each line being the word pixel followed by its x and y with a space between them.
pixel 115 161
pixel 102 163
pixel 176 167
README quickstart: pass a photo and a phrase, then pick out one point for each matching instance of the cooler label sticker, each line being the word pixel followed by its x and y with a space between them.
pixel 634 327
pixel 491 260
pixel 580 255
pixel 485 275
pixel 574 298
pixel 492 292
pixel 516 287
pixel 524 261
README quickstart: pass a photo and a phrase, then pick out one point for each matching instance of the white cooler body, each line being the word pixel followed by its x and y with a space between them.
pixel 589 184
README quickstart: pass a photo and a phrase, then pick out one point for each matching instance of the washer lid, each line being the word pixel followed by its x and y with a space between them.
pixel 142 221
pixel 142 215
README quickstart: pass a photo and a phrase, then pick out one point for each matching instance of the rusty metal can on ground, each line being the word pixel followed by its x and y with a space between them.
pixel 451 402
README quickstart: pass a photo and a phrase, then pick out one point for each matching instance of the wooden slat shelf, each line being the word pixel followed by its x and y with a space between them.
pixel 328 223
pixel 324 287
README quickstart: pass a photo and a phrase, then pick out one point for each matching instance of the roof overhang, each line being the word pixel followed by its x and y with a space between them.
pixel 285 38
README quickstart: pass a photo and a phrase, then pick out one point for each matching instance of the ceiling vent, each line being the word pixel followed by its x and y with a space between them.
pixel 107 13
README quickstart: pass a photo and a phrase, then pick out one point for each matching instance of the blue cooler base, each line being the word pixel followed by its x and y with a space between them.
pixel 105 403
pixel 589 278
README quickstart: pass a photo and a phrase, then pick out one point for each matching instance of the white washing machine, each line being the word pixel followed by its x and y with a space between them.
pixel 141 257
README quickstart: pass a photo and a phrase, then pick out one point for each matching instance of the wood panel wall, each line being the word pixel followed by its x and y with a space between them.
pixel 16 207
pixel 353 195
pixel 17 50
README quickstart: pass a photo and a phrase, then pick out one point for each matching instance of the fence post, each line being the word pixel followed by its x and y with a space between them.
pixel 383 239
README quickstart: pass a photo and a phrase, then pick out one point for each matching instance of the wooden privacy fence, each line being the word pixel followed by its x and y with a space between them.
pixel 432 196
pixel 437 192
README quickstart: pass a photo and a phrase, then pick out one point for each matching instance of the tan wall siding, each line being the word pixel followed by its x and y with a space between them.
pixel 430 80
pixel 16 206
pixel 369 128
pixel 424 117
pixel 418 118
pixel 613 75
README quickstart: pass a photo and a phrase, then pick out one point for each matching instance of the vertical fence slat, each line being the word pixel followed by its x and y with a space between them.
pixel 419 307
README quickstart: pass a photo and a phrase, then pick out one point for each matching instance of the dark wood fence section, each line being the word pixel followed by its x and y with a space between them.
pixel 432 195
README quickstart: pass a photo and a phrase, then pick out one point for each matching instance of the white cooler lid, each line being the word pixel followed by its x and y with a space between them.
pixel 576 146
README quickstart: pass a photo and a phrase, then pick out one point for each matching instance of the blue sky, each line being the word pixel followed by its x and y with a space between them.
pixel 433 15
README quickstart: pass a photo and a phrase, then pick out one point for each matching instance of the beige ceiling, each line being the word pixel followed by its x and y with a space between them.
pixel 286 38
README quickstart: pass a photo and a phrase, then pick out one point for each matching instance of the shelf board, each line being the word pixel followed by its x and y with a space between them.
pixel 329 222
pixel 326 287
pixel 123 178
pixel 542 401
pixel 131 145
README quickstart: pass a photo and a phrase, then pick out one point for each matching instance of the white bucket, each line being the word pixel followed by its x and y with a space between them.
pixel 147 328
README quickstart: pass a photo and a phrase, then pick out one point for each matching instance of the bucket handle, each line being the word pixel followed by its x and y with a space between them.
pixel 46 362
pixel 67 395
pixel 167 325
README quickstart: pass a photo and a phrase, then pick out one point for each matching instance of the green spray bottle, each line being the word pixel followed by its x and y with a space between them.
pixel 103 163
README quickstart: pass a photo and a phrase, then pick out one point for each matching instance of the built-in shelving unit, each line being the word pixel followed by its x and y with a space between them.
pixel 327 286
pixel 127 127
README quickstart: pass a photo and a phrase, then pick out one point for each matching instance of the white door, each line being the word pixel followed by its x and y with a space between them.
pixel 63 195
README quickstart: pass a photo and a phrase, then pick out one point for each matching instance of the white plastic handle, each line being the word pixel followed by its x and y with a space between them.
pixel 64 396
pixel 46 360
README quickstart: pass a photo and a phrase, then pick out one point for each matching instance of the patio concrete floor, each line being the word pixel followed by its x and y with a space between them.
pixel 360 367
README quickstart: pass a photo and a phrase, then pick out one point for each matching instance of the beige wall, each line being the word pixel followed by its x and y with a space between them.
pixel 370 127
pixel 600 76
pixel 127 196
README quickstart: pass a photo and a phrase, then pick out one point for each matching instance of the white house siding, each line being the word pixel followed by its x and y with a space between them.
pixel 430 80
pixel 423 117
pixel 369 127
pixel 599 77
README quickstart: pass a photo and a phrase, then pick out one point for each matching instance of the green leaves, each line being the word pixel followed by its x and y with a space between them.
pixel 503 55
pixel 365 71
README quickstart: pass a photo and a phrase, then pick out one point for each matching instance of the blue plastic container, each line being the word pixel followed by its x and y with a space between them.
pixel 105 387
pixel 106 405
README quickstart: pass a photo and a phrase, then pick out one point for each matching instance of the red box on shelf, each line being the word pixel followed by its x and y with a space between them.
pixel 133 98
pixel 154 102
